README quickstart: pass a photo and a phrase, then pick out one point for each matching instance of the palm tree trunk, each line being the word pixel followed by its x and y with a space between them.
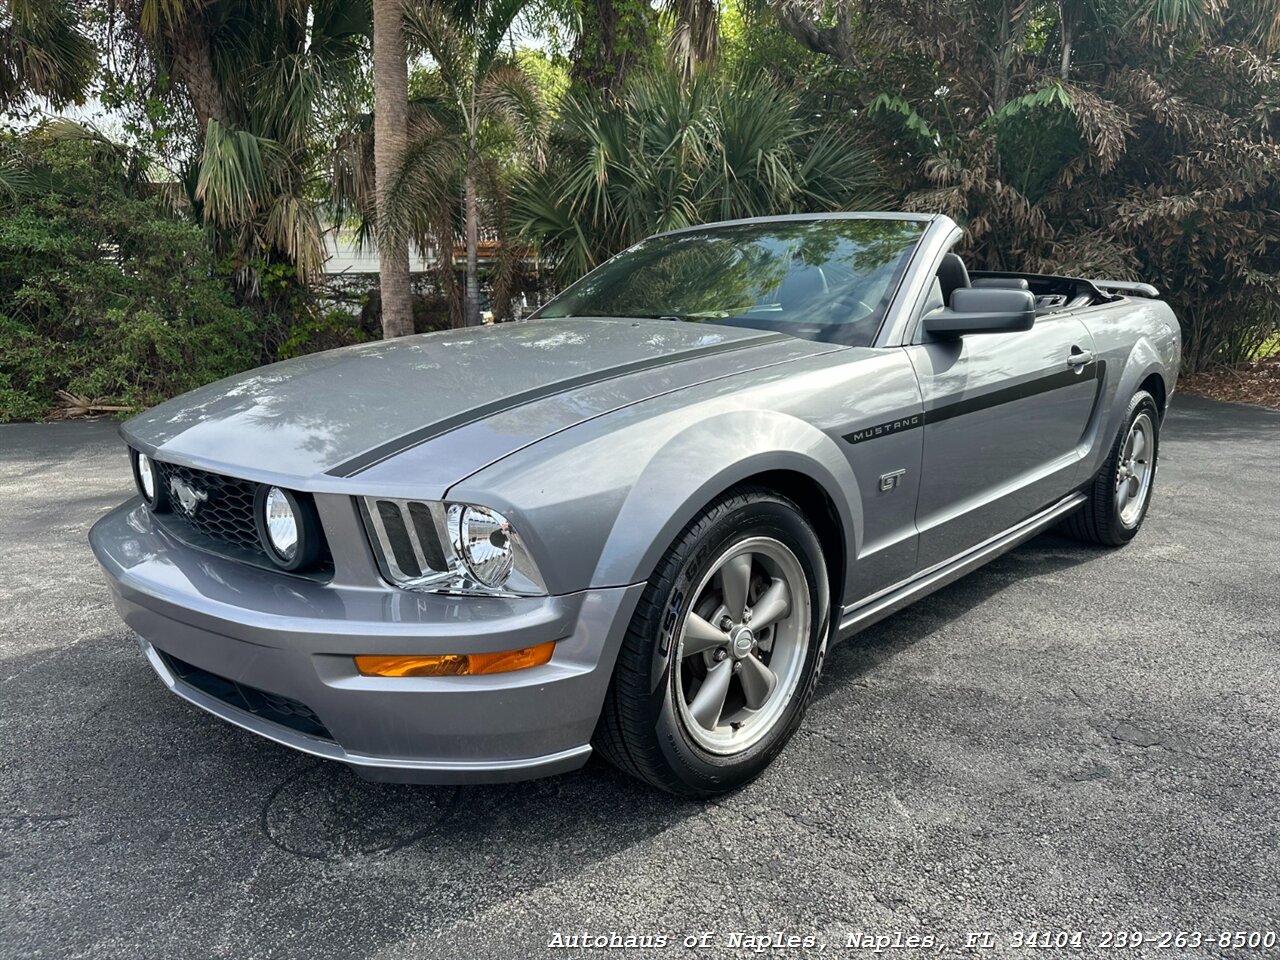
pixel 1064 16
pixel 193 63
pixel 187 39
pixel 1000 59
pixel 612 41
pixel 472 312
pixel 390 121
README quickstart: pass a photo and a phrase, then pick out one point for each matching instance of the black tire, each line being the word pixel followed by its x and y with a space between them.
pixel 641 730
pixel 1099 520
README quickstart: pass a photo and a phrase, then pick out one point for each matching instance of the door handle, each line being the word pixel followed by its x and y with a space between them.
pixel 1079 358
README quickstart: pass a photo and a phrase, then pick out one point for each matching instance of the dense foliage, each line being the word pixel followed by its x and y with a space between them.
pixel 1131 139
pixel 668 154
pixel 256 89
pixel 104 293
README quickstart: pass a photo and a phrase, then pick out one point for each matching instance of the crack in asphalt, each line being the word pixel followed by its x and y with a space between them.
pixel 330 845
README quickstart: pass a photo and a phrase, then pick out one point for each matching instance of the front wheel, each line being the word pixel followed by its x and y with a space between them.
pixel 1119 495
pixel 724 650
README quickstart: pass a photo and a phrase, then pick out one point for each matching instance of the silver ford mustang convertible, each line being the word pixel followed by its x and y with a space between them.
pixel 634 522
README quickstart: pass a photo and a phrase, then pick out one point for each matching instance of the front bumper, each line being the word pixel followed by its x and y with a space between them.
pixel 289 637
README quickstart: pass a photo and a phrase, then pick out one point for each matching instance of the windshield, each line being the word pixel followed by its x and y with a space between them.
pixel 828 280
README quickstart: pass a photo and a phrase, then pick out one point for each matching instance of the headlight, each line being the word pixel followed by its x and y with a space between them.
pixel 288 528
pixel 450 548
pixel 482 537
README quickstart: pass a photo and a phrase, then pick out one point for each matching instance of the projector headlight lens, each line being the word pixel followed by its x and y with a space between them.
pixel 280 521
pixel 482 537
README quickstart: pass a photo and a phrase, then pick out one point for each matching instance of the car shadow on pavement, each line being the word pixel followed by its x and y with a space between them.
pixel 1195 418
pixel 322 811
pixel 864 652
pixel 194 816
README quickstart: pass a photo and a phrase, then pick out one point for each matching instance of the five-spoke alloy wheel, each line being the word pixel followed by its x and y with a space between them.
pixel 743 645
pixel 724 649
pixel 1134 469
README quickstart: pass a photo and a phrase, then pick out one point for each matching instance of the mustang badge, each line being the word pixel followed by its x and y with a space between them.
pixel 187 497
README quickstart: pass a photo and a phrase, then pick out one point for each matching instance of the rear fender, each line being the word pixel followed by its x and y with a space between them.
pixel 1143 361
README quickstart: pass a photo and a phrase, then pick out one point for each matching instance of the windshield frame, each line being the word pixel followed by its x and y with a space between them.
pixel 889 302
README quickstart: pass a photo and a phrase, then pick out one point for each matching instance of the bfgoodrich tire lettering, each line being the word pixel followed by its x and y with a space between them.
pixel 701 701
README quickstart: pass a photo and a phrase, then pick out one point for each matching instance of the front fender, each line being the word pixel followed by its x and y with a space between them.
pixel 702 460
pixel 599 503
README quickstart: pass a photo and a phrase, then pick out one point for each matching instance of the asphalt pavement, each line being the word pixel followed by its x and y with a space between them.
pixel 1068 740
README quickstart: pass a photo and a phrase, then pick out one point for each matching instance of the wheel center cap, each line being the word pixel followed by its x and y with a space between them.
pixel 742 640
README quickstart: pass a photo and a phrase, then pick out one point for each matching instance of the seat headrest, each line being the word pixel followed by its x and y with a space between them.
pixel 1003 283
pixel 952 275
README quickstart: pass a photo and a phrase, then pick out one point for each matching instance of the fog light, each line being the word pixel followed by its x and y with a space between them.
pixel 280 523
pixel 455 664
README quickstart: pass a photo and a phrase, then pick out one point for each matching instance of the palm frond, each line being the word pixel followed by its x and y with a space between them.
pixel 507 96
pixel 239 172
pixel 43 53
pixel 669 154
pixel 292 227
pixel 429 28
pixel 695 35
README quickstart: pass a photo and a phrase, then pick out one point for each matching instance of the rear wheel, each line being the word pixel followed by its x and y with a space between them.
pixel 1119 495
pixel 723 652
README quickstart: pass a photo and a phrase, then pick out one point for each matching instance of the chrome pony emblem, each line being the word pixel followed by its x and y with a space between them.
pixel 188 497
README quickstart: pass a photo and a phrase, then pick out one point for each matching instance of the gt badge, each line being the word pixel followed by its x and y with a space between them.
pixel 889 481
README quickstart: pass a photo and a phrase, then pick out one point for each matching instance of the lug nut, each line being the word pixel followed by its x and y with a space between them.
pixel 725 623
pixel 721 654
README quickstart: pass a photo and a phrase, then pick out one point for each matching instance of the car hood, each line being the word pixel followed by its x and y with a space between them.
pixel 318 421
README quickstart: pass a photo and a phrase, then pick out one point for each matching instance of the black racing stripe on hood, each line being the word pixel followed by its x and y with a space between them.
pixel 391 448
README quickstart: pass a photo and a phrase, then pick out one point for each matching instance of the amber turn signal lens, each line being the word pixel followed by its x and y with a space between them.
pixel 456 664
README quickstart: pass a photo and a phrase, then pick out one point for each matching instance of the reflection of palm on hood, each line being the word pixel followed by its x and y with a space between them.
pixel 342 412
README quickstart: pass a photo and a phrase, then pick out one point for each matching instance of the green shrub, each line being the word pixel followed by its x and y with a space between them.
pixel 104 292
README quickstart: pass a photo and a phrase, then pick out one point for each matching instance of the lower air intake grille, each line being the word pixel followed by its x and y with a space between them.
pixel 285 711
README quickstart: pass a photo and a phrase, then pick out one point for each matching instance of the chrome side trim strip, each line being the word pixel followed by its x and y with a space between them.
pixel 891 599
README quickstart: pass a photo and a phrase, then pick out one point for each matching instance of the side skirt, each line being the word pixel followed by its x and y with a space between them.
pixel 876 607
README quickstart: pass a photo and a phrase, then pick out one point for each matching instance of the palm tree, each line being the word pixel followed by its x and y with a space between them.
pixel 265 83
pixel 42 53
pixel 391 108
pixel 669 154
pixel 617 37
pixel 480 111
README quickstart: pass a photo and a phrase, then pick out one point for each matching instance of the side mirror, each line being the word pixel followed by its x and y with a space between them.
pixel 983 310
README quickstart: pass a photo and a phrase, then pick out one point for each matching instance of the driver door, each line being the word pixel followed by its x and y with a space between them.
pixel 1005 416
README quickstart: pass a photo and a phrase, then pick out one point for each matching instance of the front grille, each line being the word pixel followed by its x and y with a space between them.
pixel 226 513
pixel 284 711
pixel 222 518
